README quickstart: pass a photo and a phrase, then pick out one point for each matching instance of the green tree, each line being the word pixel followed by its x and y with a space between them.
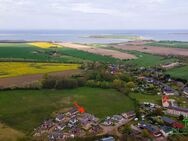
pixel 48 82
pixel 117 83
pixel 158 112
pixel 127 129
pixel 145 133
pixel 181 117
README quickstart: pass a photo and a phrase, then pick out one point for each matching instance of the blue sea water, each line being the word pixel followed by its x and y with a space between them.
pixel 78 36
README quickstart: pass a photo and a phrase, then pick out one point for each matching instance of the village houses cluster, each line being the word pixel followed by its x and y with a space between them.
pixel 75 124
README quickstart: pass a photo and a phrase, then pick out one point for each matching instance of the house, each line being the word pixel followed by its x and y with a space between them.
pixel 108 139
pixel 60 117
pixel 178 125
pixel 47 124
pixel 149 79
pixel 166 131
pixel 117 118
pixel 151 129
pixel 70 125
pixel 107 121
pixel 61 126
pixel 55 136
pixel 129 115
pixel 72 112
pixel 73 121
pixel 185 91
pixel 177 111
pixel 84 121
pixel 75 130
pixel 168 120
pixel 168 91
pixel 95 128
pixel 91 117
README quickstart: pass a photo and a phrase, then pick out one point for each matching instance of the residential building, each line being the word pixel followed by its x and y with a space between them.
pixel 185 91
pixel 177 111
pixel 108 139
pixel 166 131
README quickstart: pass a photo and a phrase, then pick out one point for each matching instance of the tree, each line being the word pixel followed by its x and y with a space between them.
pixel 145 133
pixel 91 83
pixel 130 85
pixel 181 117
pixel 48 82
pixel 81 81
pixel 125 77
pixel 117 83
pixel 138 115
pixel 66 83
pixel 127 129
pixel 104 84
pixel 158 112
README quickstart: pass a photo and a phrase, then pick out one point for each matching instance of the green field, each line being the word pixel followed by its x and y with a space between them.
pixel 171 44
pixel 145 59
pixel 149 60
pixel 180 72
pixel 86 55
pixel 27 52
pixel 24 110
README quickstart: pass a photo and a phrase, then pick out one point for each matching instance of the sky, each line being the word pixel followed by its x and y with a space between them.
pixel 93 14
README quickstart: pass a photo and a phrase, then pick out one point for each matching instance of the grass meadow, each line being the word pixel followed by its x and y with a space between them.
pixel 24 111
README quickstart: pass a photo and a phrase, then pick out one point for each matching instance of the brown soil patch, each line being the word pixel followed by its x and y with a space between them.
pixel 21 81
pixel 100 51
pixel 154 50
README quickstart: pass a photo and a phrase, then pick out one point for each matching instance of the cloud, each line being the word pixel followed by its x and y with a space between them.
pixel 93 14
pixel 88 8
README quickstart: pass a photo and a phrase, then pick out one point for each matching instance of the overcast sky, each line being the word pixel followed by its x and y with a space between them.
pixel 93 14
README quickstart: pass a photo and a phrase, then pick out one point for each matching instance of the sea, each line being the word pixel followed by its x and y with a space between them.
pixel 82 36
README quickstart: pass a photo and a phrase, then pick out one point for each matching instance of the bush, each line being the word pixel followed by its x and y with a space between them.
pixel 48 83
pixel 66 83
pixel 91 83
pixel 105 85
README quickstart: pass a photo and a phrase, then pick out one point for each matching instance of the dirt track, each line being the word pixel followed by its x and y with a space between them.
pixel 100 51
pixel 21 81
pixel 155 50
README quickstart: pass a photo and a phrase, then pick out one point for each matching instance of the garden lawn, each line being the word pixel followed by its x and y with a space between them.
pixel 25 110
pixel 146 98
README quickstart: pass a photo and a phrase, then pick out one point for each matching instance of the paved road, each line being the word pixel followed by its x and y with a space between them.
pixel 114 129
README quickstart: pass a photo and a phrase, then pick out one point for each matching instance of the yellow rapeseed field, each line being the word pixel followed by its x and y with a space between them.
pixel 10 69
pixel 44 44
